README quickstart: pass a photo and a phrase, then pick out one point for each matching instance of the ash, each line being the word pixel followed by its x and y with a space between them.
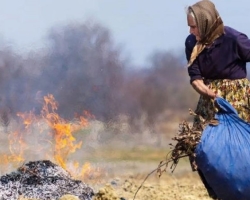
pixel 42 180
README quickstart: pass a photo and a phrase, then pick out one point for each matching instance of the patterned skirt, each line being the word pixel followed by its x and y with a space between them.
pixel 236 92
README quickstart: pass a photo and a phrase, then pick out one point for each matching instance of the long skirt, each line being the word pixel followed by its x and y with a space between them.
pixel 236 92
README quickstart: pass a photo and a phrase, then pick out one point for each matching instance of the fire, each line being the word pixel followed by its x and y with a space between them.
pixel 55 137
pixel 16 150
pixel 62 132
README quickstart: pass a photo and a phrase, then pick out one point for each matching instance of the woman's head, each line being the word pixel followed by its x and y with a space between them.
pixel 204 21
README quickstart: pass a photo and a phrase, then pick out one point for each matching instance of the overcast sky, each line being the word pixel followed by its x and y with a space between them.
pixel 141 26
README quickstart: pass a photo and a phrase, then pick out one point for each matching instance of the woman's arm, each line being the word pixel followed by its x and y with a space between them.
pixel 194 71
pixel 202 89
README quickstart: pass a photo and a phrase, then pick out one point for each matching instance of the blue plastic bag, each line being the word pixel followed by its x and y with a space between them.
pixel 223 154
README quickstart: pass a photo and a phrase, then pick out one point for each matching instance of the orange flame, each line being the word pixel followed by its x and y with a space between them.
pixel 62 132
pixel 59 136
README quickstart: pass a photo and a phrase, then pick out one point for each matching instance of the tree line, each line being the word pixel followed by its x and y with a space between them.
pixel 84 69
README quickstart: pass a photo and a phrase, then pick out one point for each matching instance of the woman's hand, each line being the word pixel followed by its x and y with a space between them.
pixel 202 89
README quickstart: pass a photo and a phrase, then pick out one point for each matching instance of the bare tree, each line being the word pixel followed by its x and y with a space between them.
pixel 84 70
pixel 162 87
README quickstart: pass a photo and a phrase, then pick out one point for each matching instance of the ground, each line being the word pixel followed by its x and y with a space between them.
pixel 127 159
pixel 182 184
pixel 123 179
pixel 118 163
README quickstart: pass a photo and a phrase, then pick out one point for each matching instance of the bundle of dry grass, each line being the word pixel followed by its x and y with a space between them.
pixel 186 141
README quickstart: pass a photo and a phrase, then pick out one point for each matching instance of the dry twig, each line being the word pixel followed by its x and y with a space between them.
pixel 187 139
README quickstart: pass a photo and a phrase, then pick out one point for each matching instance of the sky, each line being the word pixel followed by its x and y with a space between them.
pixel 139 26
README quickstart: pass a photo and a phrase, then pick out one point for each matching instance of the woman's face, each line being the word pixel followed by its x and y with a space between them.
pixel 193 27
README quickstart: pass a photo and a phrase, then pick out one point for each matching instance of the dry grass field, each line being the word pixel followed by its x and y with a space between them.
pixel 124 179
pixel 119 163
pixel 125 160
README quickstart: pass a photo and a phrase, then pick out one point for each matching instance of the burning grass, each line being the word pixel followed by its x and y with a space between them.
pixel 43 137
pixel 49 137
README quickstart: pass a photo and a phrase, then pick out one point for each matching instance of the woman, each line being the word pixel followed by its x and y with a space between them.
pixel 217 57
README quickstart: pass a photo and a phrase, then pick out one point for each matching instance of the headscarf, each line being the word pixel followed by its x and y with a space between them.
pixel 209 23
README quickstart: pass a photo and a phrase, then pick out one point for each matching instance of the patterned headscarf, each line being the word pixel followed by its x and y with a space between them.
pixel 209 23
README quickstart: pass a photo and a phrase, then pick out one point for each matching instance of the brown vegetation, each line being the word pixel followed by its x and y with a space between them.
pixel 84 70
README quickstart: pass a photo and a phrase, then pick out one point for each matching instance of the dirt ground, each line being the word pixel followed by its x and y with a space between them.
pixel 131 158
pixel 121 181
pixel 182 184
pixel 120 163
pixel 128 163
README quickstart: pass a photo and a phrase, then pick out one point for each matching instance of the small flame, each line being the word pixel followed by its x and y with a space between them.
pixel 28 118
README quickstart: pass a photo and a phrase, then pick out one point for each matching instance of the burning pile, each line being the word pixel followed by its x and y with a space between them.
pixel 46 136
pixel 42 180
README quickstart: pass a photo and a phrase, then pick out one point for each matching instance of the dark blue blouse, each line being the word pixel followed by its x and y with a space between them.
pixel 225 59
